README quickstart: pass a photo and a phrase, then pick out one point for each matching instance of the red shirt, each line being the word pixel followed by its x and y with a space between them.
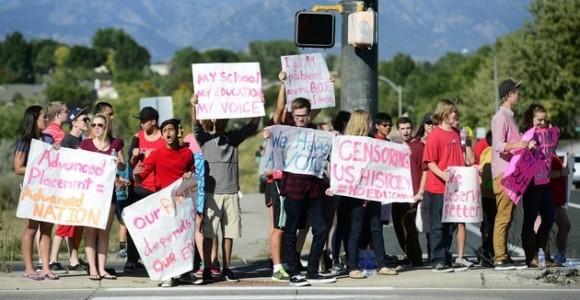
pixel 558 184
pixel 167 165
pixel 417 164
pixel 443 148
pixel 145 145
pixel 478 148
pixel 55 130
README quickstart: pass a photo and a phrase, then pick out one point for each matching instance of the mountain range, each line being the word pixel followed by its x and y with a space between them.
pixel 424 29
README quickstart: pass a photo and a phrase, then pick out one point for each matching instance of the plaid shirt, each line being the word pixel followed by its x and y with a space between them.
pixel 300 186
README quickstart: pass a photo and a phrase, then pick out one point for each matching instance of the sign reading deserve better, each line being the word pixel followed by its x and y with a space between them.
pixel 462 198
pixel 307 76
pixel 228 90
pixel 162 226
pixel 68 186
pixel 297 150
pixel 371 169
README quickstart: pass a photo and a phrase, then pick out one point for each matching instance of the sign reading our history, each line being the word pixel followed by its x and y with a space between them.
pixel 371 169
pixel 67 186
pixel 228 90
pixel 307 76
pixel 462 197
pixel 162 226
pixel 297 150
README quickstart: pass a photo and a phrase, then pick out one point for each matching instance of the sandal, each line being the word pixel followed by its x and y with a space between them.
pixel 95 277
pixel 109 276
pixel 33 276
pixel 50 276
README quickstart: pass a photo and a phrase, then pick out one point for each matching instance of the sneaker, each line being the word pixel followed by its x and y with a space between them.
pixel 169 283
pixel 519 265
pixel 441 268
pixel 76 268
pixel 504 265
pixel 280 276
pixel 298 280
pixel 205 278
pixel 198 272
pixel 229 275
pixel 459 267
pixel 319 278
pixel 485 259
pixel 356 274
pixel 57 267
pixel 133 267
pixel 215 271
pixel 39 267
pixel 387 271
pixel 122 254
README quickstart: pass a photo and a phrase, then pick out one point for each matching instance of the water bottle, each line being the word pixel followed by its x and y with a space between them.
pixel 558 259
pixel 541 259
pixel 114 153
pixel 570 264
pixel 463 134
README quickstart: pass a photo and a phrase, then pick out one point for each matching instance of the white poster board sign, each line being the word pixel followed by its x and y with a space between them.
pixel 228 90
pixel 307 76
pixel 68 186
pixel 162 226
pixel 462 198
pixel 163 105
pixel 371 169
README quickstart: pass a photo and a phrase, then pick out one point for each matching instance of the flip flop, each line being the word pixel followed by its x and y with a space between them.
pixel 95 277
pixel 109 277
pixel 50 276
pixel 33 276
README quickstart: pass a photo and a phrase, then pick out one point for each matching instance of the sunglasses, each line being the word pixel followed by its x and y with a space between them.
pixel 100 125
pixel 87 120
pixel 386 124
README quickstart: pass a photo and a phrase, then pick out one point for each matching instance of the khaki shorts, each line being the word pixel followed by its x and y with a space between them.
pixel 224 210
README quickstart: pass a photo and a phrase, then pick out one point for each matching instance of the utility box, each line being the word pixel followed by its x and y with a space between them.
pixel 362 28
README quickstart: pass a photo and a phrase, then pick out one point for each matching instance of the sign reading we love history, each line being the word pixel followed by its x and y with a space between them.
pixel 67 186
pixel 162 226
pixel 228 90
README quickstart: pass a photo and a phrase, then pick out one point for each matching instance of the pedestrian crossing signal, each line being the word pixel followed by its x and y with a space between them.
pixel 314 29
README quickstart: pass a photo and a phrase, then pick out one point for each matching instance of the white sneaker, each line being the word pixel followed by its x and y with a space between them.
pixel 169 283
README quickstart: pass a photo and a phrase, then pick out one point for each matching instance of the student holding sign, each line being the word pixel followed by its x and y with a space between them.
pixel 220 150
pixel 33 122
pixel 442 150
pixel 97 240
pixel 537 199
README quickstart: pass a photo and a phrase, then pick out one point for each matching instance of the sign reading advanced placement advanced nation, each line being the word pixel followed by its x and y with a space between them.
pixel 371 169
pixel 68 186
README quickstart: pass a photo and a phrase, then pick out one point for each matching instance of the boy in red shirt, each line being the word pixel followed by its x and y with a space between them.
pixel 442 150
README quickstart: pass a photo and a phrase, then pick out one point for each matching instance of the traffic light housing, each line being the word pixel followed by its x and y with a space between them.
pixel 314 29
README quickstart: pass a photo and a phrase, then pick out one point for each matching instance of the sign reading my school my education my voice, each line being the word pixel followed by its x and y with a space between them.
pixel 228 90
pixel 162 226
pixel 68 186
pixel 307 76
pixel 371 169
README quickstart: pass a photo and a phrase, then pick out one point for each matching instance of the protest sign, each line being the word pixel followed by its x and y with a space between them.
pixel 569 166
pixel 68 186
pixel 518 174
pixel 307 76
pixel 371 169
pixel 546 142
pixel 462 197
pixel 297 150
pixel 228 90
pixel 162 226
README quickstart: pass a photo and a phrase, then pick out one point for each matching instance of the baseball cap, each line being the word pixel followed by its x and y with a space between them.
pixel 74 113
pixel 148 113
pixel 428 117
pixel 507 86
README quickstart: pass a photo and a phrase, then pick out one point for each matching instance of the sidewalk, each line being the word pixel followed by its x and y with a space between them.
pixel 250 262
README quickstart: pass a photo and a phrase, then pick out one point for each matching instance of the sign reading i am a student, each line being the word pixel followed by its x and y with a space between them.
pixel 68 186
pixel 228 90
pixel 371 169
pixel 162 226
pixel 307 77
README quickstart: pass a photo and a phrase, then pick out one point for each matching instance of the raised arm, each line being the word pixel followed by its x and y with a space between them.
pixel 279 110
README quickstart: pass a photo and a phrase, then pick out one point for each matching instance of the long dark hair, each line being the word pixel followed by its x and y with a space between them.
pixel 529 114
pixel 30 124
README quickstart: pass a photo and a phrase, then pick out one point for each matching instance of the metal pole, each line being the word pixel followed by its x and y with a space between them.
pixel 397 88
pixel 359 70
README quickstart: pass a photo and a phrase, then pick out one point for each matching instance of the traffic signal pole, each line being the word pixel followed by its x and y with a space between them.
pixel 359 66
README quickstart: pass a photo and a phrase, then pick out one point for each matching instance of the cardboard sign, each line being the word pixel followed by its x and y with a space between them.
pixel 546 142
pixel 297 150
pixel 519 174
pixel 307 76
pixel 228 90
pixel 371 169
pixel 163 226
pixel 462 198
pixel 68 186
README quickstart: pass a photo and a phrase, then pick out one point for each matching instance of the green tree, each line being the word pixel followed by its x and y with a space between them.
pixel 85 57
pixel 15 60
pixel 43 56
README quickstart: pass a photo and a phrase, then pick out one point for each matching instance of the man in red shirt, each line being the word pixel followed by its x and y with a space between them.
pixel 57 114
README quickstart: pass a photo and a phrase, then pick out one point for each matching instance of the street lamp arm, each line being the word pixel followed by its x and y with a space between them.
pixel 397 88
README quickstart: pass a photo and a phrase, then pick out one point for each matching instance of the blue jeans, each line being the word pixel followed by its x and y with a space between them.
pixel 441 235
pixel 296 210
pixel 538 200
pixel 360 214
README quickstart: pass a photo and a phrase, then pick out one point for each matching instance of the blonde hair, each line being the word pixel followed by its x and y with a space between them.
pixel 444 108
pixel 358 124
pixel 54 109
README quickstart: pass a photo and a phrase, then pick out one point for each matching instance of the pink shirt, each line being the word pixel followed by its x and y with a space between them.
pixel 504 130
pixel 189 141
pixel 55 130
